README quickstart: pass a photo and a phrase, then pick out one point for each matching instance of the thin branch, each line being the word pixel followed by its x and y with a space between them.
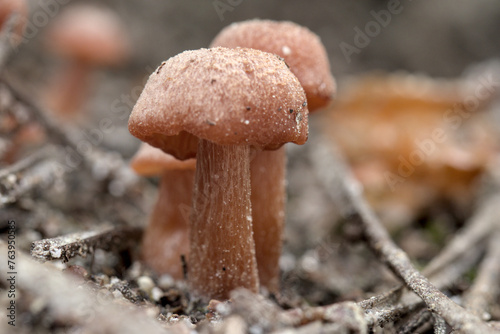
pixel 450 273
pixel 109 163
pixel 27 162
pixel 56 132
pixel 6 36
pixel 72 305
pixel 382 299
pixel 476 231
pixel 416 322
pixel 340 184
pixel 483 293
pixel 84 243
pixel 39 169
pixel 453 261
pixel 439 325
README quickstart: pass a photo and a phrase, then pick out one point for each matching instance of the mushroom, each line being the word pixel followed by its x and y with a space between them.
pixel 301 48
pixel 219 104
pixel 307 59
pixel 87 36
pixel 166 237
pixel 7 9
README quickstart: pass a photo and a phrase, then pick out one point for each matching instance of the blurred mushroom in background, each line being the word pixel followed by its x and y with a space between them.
pixel 414 142
pixel 87 37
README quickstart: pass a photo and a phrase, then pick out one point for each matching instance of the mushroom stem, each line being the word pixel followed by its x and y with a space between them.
pixel 167 236
pixel 267 171
pixel 222 254
pixel 69 90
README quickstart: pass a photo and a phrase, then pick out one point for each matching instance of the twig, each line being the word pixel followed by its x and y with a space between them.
pixel 38 169
pixel 420 319
pixel 64 301
pixel 450 273
pixel 339 183
pixel 5 37
pixel 483 293
pixel 447 268
pixel 56 132
pixel 479 227
pixel 23 164
pixel 382 299
pixel 84 243
pixel 110 164
pixel 439 325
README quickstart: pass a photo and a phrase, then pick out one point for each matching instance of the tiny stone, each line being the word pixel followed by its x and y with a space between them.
pixel 223 308
pixel 234 325
pixel 152 312
pixel 101 279
pixel 135 270
pixel 117 294
pixel 309 262
pixel 256 329
pixel 287 262
pixel 11 178
pixel 114 280
pixel 173 319
pixel 104 295
pixel 77 271
pixel 117 188
pixel 166 281
pixel 59 265
pixel 156 293
pixel 37 305
pixel 145 283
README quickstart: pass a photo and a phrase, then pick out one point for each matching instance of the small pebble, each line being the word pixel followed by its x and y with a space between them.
pixel 234 325
pixel 145 283
pixel 156 293
pixel 37 305
pixel 135 270
pixel 101 279
pixel 166 281
pixel 117 294
pixel 77 272
pixel 104 295
pixel 152 312
pixel 114 280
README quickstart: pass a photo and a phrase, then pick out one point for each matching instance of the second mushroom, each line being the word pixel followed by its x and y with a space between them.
pixel 306 56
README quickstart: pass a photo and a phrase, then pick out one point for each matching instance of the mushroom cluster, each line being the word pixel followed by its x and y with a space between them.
pixel 220 105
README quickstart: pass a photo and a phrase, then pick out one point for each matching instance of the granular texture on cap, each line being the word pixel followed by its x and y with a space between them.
pixel 226 96
pixel 151 161
pixel 301 49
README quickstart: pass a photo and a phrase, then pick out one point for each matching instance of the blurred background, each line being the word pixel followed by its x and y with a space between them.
pixel 405 69
pixel 421 51
pixel 439 39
